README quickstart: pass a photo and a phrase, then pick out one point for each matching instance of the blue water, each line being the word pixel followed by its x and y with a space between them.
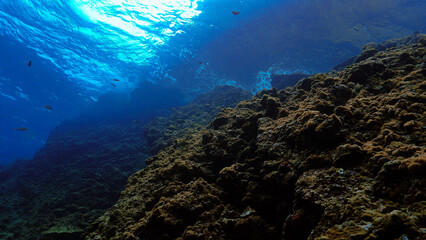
pixel 169 51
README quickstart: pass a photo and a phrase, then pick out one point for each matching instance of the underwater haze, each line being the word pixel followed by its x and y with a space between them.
pixel 111 60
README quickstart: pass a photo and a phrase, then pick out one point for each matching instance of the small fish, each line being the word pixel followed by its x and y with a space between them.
pixel 20 129
pixel 200 62
pixel 115 80
pixel 48 107
pixel 113 84
pixel 356 28
pixel 235 13
pixel 29 63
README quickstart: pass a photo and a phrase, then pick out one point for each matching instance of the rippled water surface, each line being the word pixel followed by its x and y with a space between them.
pixel 78 47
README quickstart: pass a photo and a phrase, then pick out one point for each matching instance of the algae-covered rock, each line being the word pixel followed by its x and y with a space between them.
pixel 63 232
pixel 338 156
pixel 81 171
pixel 348 154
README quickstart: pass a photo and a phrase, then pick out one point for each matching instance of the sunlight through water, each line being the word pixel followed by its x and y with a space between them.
pixel 95 41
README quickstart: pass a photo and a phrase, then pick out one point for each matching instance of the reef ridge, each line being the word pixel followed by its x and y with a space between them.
pixel 338 156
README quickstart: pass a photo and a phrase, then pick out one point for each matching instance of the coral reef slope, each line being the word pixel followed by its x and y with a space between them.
pixel 82 169
pixel 338 156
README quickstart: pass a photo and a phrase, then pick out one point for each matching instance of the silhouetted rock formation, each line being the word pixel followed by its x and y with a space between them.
pixel 281 81
pixel 338 156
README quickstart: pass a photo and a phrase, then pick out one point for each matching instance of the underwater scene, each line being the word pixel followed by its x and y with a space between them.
pixel 212 119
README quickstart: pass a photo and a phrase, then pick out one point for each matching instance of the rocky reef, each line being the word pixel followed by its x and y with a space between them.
pixel 338 156
pixel 163 131
pixel 82 169
pixel 70 182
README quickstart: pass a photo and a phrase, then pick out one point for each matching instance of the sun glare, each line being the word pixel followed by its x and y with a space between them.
pixel 136 16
